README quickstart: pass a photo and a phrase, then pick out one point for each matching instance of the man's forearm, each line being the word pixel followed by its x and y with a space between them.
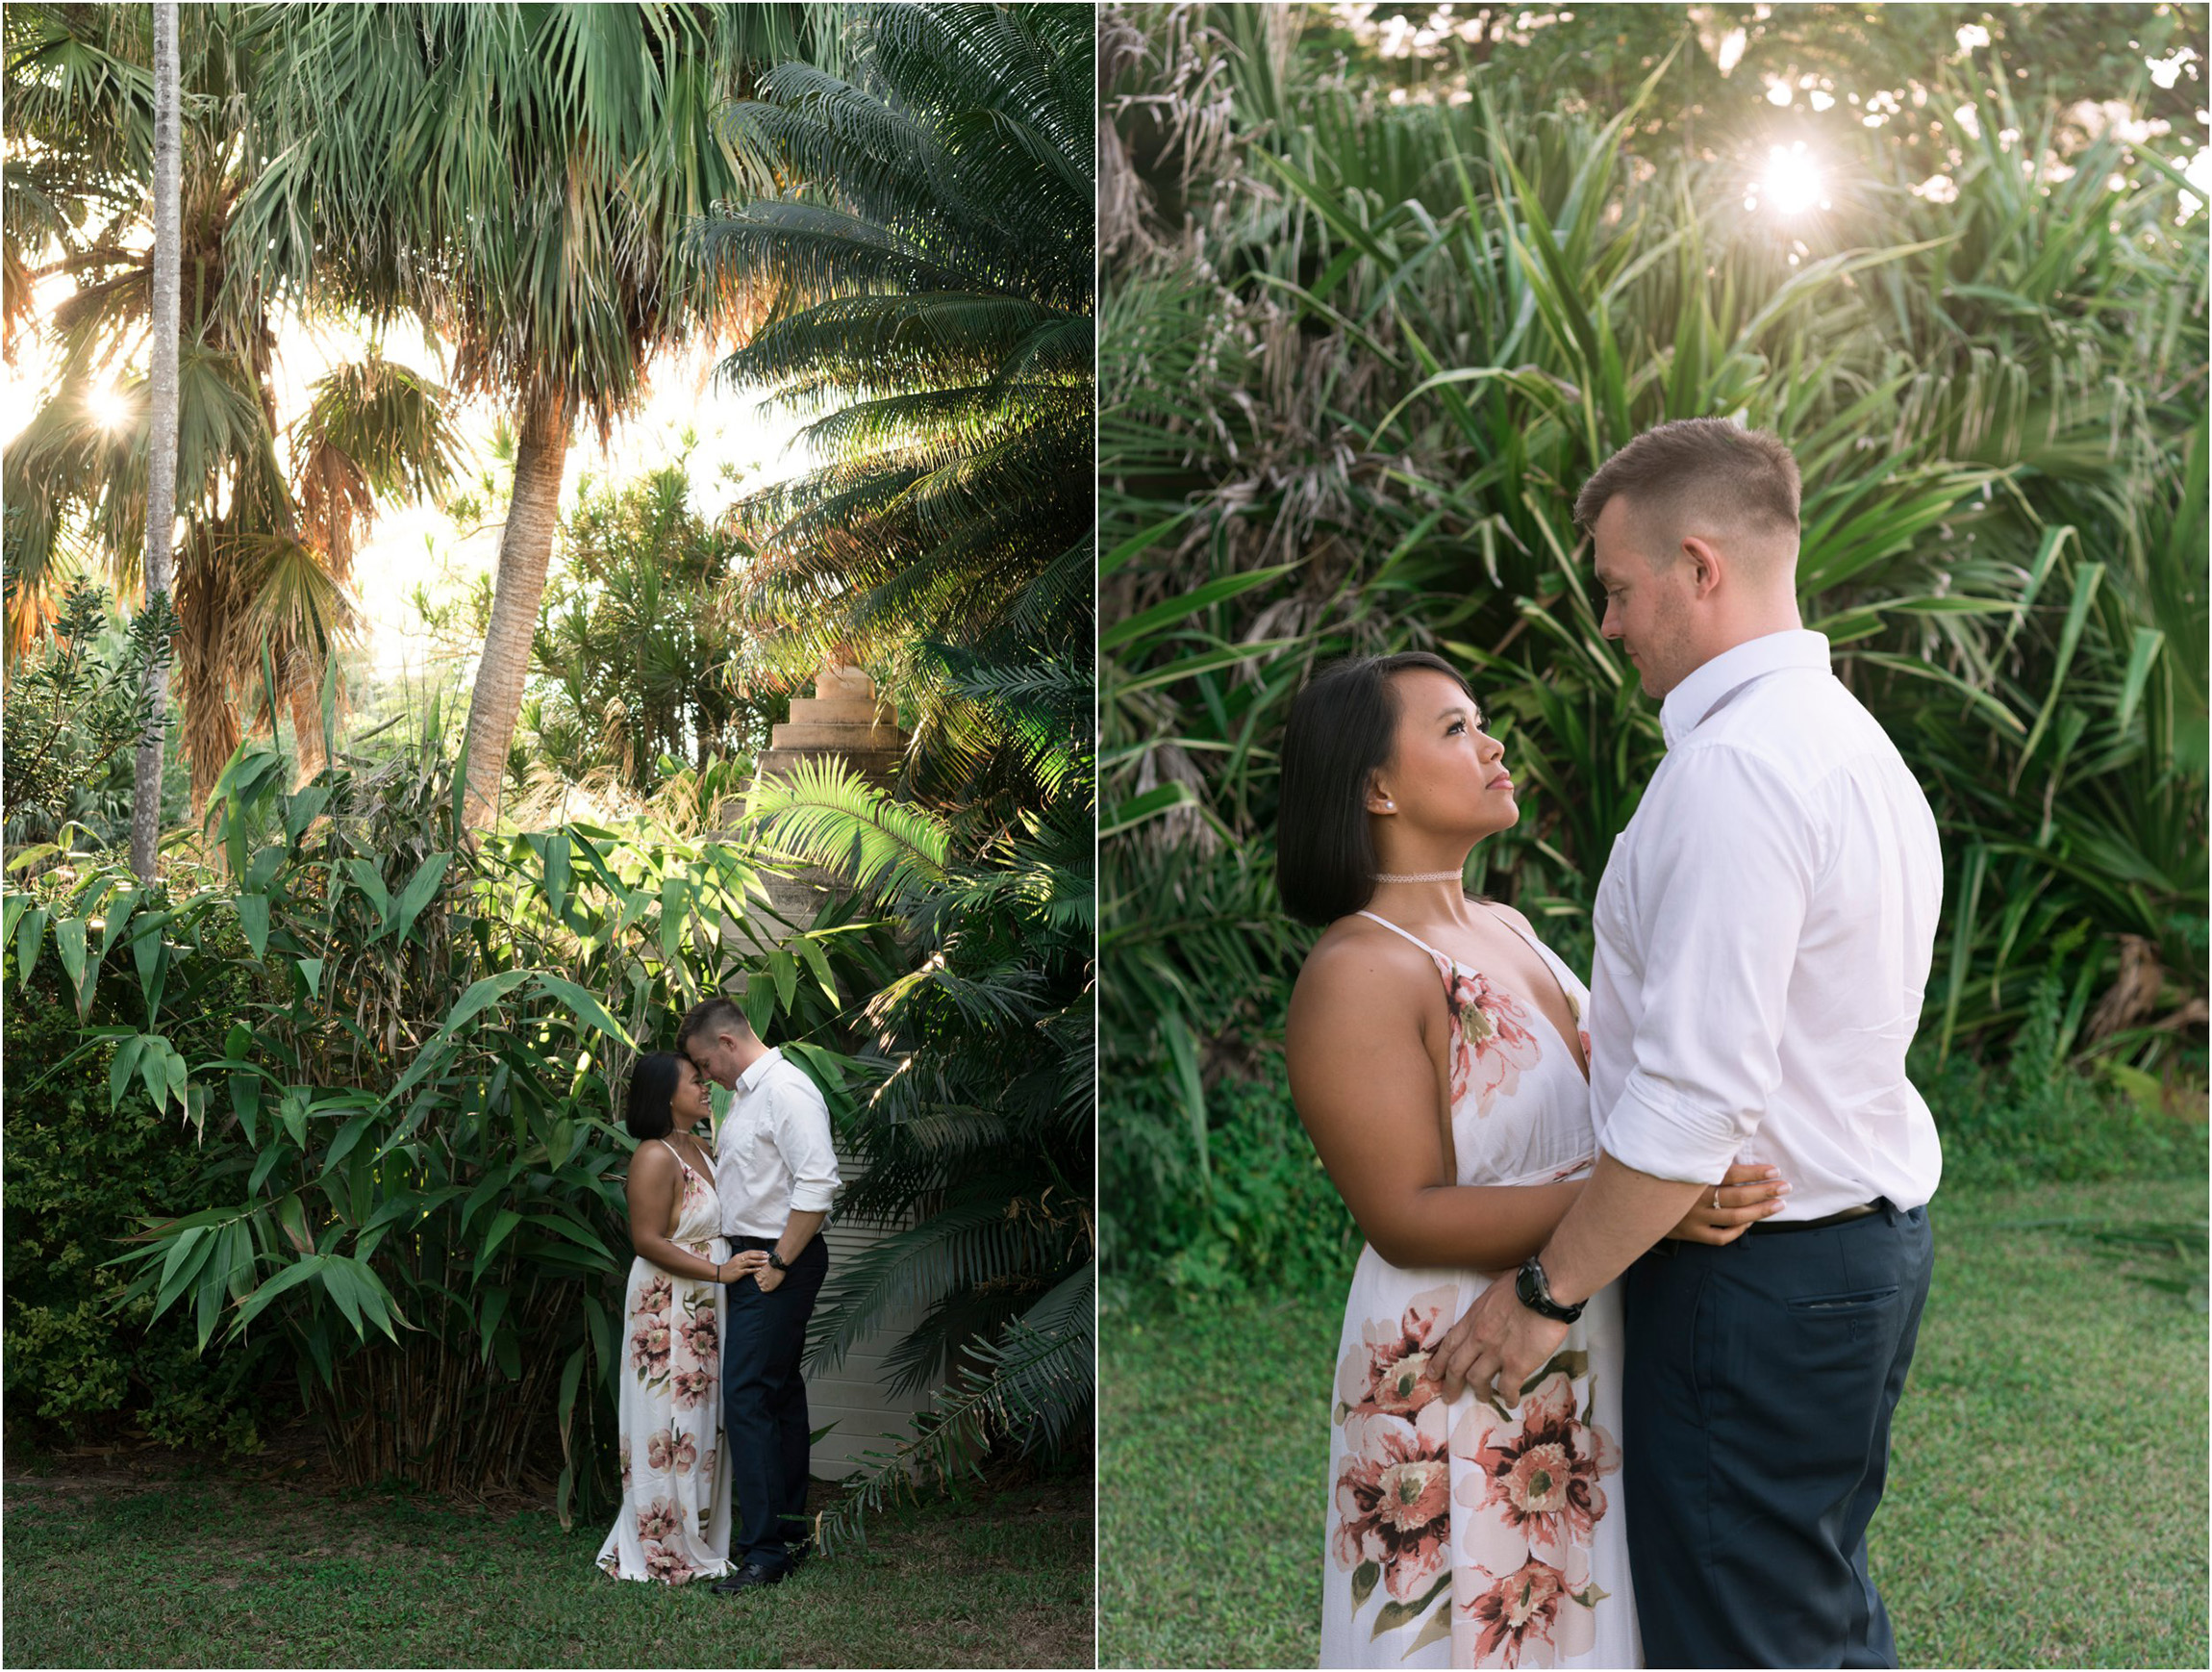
pixel 798 1230
pixel 1620 1214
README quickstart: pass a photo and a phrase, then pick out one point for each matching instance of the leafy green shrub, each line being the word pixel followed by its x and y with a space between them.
pixel 75 711
pixel 409 1189
pixel 641 655
pixel 1263 1217
pixel 2039 1118
pixel 83 1174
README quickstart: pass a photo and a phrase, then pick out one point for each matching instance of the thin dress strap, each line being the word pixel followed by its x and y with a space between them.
pixel 1534 945
pixel 709 1175
pixel 1409 935
pixel 1551 959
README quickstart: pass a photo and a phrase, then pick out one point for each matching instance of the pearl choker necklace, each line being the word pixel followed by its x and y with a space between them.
pixel 1419 876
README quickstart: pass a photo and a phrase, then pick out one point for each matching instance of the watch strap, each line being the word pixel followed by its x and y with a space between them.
pixel 1534 1290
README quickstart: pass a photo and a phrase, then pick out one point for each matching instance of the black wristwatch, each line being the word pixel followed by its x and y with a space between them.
pixel 778 1262
pixel 1535 1292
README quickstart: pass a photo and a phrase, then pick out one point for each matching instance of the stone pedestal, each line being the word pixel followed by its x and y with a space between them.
pixel 843 718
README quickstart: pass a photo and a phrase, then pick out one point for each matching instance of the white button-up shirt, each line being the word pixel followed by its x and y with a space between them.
pixel 1765 928
pixel 773 1153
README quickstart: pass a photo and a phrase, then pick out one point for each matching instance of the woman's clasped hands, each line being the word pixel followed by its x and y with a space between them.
pixel 742 1264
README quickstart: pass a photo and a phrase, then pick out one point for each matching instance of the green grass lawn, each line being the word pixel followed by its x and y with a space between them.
pixel 222 1571
pixel 2047 1494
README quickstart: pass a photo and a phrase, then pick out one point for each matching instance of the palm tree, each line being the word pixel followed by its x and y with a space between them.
pixel 260 577
pixel 161 444
pixel 932 255
pixel 520 177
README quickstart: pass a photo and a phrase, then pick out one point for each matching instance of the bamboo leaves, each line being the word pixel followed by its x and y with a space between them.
pixel 433 1145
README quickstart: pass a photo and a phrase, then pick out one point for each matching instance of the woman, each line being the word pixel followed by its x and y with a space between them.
pixel 674 1523
pixel 1438 1062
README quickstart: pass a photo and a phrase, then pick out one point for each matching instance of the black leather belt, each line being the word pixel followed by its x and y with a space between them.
pixel 1769 1226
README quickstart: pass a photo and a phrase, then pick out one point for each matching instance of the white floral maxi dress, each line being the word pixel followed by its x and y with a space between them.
pixel 674 1523
pixel 1460 1535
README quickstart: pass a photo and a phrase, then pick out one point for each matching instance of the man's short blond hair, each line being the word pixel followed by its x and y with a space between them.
pixel 1699 470
pixel 715 1015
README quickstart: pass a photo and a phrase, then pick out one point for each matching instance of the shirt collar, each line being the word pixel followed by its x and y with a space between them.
pixel 751 1078
pixel 1696 697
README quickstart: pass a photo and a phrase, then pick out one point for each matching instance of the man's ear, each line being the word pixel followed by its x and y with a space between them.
pixel 1706 565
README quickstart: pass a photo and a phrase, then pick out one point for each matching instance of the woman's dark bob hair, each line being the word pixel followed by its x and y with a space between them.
pixel 1342 728
pixel 652 1083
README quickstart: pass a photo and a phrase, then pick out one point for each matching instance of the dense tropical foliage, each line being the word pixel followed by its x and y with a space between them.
pixel 932 265
pixel 934 305
pixel 411 1097
pixel 1375 306
pixel 364 1033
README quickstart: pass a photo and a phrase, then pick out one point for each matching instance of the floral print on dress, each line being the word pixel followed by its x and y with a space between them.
pixel 700 1339
pixel 665 1563
pixel 1492 1042
pixel 1523 1608
pixel 1523 1563
pixel 1532 1500
pixel 674 1524
pixel 1393 1494
pixel 649 1348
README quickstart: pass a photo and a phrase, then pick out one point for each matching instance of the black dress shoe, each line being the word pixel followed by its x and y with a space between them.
pixel 753 1575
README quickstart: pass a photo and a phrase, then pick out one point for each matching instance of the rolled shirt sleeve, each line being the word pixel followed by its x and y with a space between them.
pixel 1721 899
pixel 802 1137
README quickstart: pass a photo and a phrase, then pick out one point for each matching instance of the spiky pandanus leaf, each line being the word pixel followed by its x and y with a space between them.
pixel 1360 356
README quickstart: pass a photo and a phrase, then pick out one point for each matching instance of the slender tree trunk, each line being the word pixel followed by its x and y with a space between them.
pixel 160 432
pixel 525 548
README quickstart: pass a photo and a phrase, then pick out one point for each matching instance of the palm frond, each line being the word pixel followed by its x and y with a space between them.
pixel 824 813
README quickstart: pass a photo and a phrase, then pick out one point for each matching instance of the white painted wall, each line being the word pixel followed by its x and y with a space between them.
pixel 855 1396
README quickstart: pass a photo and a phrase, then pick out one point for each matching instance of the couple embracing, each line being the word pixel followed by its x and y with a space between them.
pixel 1645 1260
pixel 729 1261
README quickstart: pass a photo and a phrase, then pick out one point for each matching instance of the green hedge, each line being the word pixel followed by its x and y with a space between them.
pixel 78 1179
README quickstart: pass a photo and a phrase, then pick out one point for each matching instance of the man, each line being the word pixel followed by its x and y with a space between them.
pixel 1764 928
pixel 776 1173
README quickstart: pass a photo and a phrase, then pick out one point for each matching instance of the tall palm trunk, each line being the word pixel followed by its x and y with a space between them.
pixel 162 432
pixel 525 548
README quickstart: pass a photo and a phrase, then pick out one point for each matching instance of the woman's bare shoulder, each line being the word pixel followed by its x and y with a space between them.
pixel 651 1161
pixel 1358 959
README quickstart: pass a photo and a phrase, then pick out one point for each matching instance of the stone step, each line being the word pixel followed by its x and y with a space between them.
pixel 839 710
pixel 847 682
pixel 835 737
